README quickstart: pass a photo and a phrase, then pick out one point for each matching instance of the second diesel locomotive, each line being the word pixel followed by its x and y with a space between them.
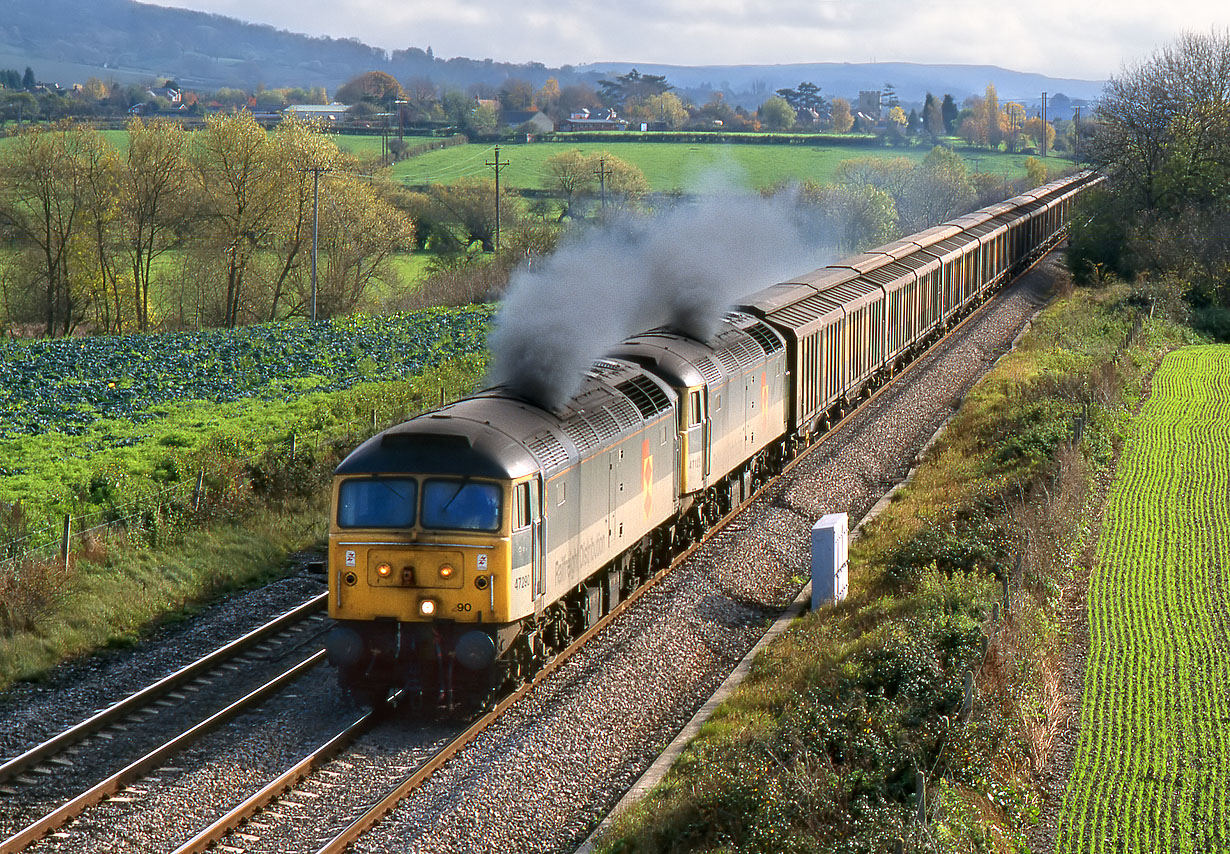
pixel 469 544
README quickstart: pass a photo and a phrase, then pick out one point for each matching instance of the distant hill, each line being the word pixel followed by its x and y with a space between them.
pixel 912 81
pixel 66 41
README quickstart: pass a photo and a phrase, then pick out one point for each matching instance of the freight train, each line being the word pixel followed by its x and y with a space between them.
pixel 469 544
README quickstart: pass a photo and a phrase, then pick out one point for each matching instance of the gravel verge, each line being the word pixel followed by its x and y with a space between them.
pixel 544 775
pixel 541 777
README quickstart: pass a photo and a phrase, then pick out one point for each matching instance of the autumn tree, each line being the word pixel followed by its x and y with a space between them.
pixel 299 155
pixel 468 204
pixel 991 117
pixel 626 185
pixel 848 218
pixel 571 175
pixel 153 202
pixel 1035 172
pixel 575 176
pixel 376 86
pixel 98 267
pixel 842 119
pixel 938 189
pixel 516 95
pixel 665 108
pixel 1161 133
pixel 547 98
pixel 1038 131
pixel 43 201
pixel 240 186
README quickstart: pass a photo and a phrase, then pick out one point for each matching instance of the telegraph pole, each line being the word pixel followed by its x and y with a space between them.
pixel 1044 124
pixel 315 170
pixel 1076 128
pixel 602 172
pixel 497 164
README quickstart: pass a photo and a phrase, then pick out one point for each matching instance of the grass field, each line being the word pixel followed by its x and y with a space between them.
pixel 683 166
pixel 1152 770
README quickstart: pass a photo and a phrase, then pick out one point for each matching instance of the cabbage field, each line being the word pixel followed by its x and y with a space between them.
pixel 65 385
pixel 1152 769
pixel 87 424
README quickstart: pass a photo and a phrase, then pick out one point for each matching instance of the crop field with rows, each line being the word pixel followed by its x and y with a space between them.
pixel 1152 769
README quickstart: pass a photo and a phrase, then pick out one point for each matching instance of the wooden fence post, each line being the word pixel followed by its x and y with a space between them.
pixel 198 490
pixel 68 530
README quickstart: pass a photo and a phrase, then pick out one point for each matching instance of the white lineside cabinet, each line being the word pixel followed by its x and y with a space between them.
pixel 830 559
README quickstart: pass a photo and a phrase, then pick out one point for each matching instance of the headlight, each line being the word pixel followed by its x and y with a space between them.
pixel 384 570
pixel 427 607
pixel 446 572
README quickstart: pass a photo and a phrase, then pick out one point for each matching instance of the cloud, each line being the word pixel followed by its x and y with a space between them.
pixel 1055 37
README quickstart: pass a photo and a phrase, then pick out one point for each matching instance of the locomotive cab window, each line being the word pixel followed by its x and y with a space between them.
pixel 461 504
pixel 376 503
pixel 521 506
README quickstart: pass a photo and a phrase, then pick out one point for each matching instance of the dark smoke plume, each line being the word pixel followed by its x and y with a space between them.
pixel 681 269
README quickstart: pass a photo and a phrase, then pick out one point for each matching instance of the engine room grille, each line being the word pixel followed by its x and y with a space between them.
pixel 708 370
pixel 728 359
pixel 764 338
pixel 645 395
pixel 581 433
pixel 548 449
pixel 624 413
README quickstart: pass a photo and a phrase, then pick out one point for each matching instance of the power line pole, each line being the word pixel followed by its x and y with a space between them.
pixel 602 172
pixel 1076 132
pixel 315 170
pixel 497 164
pixel 1044 124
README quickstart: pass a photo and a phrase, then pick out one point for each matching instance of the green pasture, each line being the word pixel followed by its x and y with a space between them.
pixel 691 167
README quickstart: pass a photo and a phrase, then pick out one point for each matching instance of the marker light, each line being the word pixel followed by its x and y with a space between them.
pixel 384 570
pixel 446 571
pixel 427 607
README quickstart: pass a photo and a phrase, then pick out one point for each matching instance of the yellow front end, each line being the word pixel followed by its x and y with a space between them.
pixel 376 577
pixel 415 575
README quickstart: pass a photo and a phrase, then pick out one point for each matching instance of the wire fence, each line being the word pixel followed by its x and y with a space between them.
pixel 229 480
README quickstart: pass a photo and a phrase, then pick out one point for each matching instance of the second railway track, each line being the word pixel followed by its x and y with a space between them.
pixel 728 604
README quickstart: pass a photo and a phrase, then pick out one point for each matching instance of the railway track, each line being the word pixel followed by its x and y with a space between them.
pixel 353 827
pixel 290 782
pixel 122 730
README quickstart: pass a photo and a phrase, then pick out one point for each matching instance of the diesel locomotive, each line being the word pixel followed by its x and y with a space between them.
pixel 469 544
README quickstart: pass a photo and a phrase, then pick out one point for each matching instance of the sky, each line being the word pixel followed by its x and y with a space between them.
pixel 1089 39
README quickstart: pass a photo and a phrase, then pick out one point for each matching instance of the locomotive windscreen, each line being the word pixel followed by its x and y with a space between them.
pixel 376 503
pixel 461 505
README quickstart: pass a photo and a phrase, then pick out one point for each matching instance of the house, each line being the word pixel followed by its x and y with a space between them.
pixel 175 96
pixel 585 119
pixel 540 121
pixel 330 113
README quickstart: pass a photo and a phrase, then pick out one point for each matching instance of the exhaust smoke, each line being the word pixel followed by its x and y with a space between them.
pixel 682 269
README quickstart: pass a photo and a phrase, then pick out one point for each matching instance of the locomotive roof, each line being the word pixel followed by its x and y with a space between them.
pixel 741 341
pixel 499 435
